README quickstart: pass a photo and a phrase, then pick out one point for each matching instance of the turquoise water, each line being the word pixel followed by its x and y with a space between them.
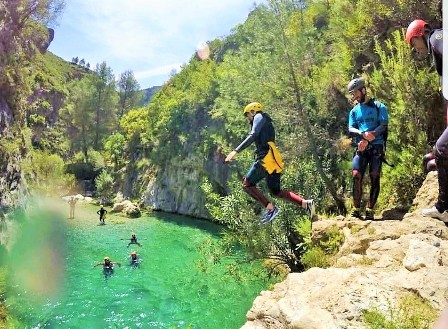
pixel 63 289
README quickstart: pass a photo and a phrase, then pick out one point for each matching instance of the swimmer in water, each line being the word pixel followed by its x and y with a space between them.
pixel 134 240
pixel 134 259
pixel 108 266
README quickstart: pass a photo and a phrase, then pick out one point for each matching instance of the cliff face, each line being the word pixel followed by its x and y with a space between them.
pixel 379 262
pixel 176 187
pixel 12 182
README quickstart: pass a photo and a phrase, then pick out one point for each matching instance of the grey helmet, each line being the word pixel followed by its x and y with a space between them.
pixel 355 85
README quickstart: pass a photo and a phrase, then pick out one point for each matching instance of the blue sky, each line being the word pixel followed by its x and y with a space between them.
pixel 151 38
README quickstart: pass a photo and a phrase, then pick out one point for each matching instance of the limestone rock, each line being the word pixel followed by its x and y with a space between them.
pixel 128 208
pixel 377 264
pixel 176 188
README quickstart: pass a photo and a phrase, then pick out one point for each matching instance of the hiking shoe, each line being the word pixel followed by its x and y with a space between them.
pixel 310 209
pixel 269 215
pixel 434 213
pixel 370 214
pixel 356 212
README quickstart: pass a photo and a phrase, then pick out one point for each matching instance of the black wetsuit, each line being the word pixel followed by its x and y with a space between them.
pixel 135 261
pixel 435 48
pixel 372 116
pixel 108 269
pixel 262 132
pixel 102 212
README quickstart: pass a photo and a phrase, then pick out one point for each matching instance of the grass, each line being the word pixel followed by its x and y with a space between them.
pixel 412 312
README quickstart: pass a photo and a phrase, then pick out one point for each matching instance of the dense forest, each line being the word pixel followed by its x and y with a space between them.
pixel 62 123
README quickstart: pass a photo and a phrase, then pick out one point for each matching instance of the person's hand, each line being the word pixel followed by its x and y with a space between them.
pixel 368 135
pixel 362 145
pixel 230 156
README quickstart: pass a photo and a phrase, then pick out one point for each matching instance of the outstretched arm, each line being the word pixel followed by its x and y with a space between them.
pixel 257 124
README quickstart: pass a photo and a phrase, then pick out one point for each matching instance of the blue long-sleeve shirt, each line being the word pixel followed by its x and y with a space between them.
pixel 372 117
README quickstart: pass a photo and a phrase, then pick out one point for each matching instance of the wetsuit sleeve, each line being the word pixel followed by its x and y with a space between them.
pixel 258 123
pixel 436 44
pixel 442 144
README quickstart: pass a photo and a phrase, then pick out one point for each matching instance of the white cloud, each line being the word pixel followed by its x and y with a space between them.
pixel 158 71
pixel 144 35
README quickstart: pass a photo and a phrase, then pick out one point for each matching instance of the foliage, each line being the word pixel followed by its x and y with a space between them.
pixel 3 310
pixel 128 88
pixel 113 148
pixel 278 242
pixel 315 257
pixel 134 125
pixel 23 34
pixel 46 173
pixel 104 185
pixel 410 131
pixel 319 254
pixel 412 313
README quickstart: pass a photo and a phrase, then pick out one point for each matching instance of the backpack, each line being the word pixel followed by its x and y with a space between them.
pixel 374 103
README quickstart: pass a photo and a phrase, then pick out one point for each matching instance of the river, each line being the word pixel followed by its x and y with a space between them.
pixel 53 282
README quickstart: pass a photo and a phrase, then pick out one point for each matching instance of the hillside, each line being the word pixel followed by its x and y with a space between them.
pixel 381 266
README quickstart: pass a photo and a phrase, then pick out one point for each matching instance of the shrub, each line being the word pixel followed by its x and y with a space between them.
pixel 104 184
pixel 413 312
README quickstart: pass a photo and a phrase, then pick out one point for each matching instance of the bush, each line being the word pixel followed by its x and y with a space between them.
pixel 104 185
pixel 413 312
pixel 46 172
pixel 315 257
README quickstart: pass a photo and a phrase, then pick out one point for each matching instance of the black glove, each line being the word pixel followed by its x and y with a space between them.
pixel 429 162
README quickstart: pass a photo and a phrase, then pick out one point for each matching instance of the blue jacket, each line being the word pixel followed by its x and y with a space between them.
pixel 372 116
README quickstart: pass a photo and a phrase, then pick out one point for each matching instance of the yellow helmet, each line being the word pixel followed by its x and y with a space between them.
pixel 106 258
pixel 254 106
pixel 134 253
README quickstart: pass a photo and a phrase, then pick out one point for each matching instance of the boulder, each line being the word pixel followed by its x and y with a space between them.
pixel 128 208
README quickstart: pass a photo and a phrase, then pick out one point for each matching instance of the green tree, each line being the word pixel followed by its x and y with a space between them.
pixel 104 183
pixel 114 148
pixel 103 102
pixel 78 114
pixel 128 92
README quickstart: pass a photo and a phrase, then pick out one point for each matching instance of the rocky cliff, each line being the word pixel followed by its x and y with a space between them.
pixel 176 187
pixel 379 262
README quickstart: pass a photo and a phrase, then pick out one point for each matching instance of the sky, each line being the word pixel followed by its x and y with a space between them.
pixel 151 38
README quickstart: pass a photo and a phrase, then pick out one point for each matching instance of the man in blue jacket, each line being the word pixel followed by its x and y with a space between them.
pixel 367 124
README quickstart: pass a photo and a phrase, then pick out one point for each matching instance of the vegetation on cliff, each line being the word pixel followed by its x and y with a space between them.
pixel 294 57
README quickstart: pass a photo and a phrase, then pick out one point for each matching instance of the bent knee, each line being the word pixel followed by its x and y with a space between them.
pixel 246 182
pixel 356 173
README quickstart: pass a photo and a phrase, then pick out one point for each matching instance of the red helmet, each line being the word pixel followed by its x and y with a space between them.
pixel 416 29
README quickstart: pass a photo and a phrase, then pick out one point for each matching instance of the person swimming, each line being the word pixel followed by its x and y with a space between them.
pixel 134 240
pixel 134 259
pixel 108 266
